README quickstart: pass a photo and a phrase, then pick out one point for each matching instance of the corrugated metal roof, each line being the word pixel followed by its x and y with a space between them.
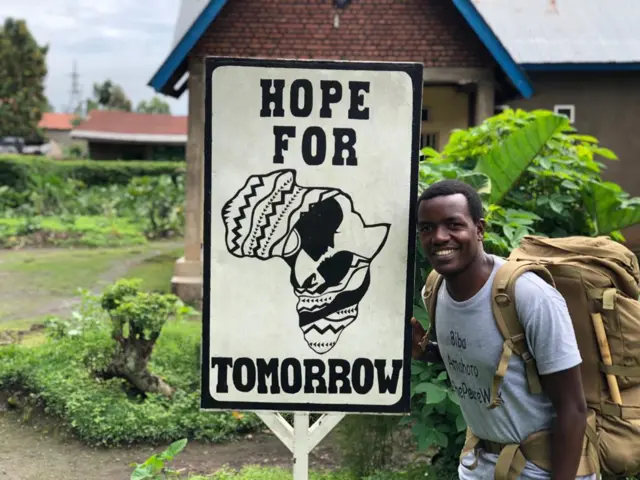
pixel 189 11
pixel 566 31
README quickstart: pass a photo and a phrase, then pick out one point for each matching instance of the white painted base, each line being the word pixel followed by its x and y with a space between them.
pixel 300 439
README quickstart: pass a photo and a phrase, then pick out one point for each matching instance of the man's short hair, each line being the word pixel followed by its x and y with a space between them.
pixel 453 187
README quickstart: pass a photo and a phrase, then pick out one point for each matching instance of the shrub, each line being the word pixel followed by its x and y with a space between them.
pixel 20 172
pixel 58 375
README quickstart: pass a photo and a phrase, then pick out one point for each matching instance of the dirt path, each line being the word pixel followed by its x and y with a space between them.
pixel 36 452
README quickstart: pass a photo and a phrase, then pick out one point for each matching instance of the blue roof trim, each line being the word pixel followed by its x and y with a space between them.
pixel 490 40
pixel 176 59
pixel 581 67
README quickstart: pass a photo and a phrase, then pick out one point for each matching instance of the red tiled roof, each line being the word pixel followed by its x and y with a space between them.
pixel 56 121
pixel 130 123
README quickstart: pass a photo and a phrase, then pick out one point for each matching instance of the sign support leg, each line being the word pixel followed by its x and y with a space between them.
pixel 300 439
pixel 301 446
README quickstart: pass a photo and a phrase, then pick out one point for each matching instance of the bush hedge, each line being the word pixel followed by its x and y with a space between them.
pixel 18 171
pixel 58 375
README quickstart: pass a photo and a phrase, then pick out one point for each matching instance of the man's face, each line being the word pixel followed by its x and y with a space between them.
pixel 449 237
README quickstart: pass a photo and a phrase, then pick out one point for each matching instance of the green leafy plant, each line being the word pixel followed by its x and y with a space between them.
pixel 536 162
pixel 53 211
pixel 89 203
pixel 138 318
pixel 157 464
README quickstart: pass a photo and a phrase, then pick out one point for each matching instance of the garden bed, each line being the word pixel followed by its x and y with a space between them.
pixel 86 231
pixel 57 376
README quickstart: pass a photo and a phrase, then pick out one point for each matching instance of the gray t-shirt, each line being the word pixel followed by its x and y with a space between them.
pixel 471 345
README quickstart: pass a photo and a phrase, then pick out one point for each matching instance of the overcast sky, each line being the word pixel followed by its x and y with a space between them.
pixel 121 40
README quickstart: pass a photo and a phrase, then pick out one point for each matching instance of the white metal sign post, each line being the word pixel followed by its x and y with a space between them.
pixel 310 191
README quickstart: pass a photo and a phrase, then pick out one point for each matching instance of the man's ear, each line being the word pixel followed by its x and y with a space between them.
pixel 480 228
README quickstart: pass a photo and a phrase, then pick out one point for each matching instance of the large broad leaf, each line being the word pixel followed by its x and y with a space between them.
pixel 509 159
pixel 610 207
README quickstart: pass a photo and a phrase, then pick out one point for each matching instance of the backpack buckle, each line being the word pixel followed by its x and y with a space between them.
pixel 502 299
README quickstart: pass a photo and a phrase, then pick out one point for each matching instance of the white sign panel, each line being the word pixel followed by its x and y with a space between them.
pixel 310 191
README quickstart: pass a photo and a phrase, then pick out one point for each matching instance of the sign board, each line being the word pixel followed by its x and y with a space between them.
pixel 310 191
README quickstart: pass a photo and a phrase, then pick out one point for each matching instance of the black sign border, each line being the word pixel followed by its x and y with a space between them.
pixel 415 72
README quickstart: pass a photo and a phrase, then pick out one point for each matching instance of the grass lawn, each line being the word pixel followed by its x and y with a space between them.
pixel 156 271
pixel 37 283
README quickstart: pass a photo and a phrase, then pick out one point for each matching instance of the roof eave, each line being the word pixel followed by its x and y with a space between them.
pixel 145 138
pixel 582 67
pixel 514 72
pixel 176 64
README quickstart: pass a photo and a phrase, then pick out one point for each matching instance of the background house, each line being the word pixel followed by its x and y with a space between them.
pixel 578 58
pixel 56 128
pixel 120 135
pixel 467 70
pixel 583 59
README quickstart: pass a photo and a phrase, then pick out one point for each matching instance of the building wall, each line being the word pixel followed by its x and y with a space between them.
pixel 428 31
pixel 116 151
pixel 448 109
pixel 607 106
pixel 61 137
pixel 133 151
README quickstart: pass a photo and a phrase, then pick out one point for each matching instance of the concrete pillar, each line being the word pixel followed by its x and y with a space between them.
pixel 187 279
pixel 485 101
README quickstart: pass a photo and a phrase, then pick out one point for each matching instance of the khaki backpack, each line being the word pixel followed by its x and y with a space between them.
pixel 600 282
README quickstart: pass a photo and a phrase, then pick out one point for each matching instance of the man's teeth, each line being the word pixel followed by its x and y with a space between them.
pixel 442 253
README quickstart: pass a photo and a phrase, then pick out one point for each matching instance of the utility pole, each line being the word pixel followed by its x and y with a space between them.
pixel 75 94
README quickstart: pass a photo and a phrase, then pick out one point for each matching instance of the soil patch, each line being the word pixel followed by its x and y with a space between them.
pixel 36 450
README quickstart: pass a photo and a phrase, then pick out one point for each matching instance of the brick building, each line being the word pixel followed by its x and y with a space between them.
pixel 467 70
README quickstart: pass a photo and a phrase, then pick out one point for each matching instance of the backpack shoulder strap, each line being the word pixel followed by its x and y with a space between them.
pixel 503 303
pixel 432 286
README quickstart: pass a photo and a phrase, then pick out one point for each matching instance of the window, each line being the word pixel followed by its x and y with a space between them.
pixel 568 111
pixel 425 114
pixel 429 140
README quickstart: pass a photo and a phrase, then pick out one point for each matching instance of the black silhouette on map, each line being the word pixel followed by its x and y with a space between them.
pixel 325 242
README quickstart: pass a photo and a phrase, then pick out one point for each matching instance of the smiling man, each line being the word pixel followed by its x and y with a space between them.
pixel 451 229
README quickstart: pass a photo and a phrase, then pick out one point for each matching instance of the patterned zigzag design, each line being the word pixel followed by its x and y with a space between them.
pixel 279 199
pixel 323 344
pixel 241 210
pixel 325 329
pixel 283 214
